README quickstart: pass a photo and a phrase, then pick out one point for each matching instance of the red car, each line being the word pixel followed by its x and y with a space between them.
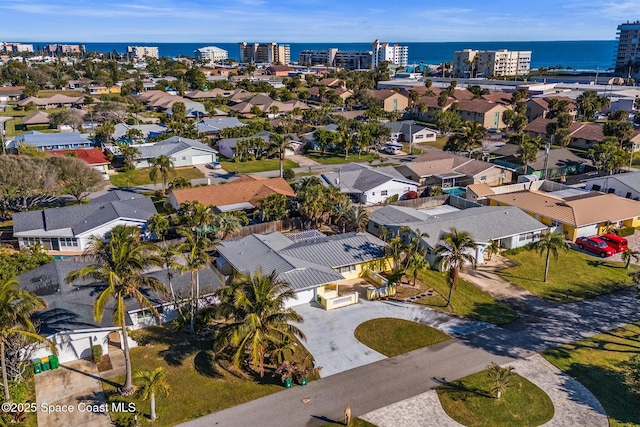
pixel 595 245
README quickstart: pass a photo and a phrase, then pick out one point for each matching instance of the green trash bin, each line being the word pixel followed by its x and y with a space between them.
pixel 303 381
pixel 53 362
pixel 288 383
pixel 37 366
pixel 45 364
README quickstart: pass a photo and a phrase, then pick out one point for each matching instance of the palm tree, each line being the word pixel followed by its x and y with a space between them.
pixel 342 212
pixel 228 223
pixel 120 263
pixel 453 253
pixel 628 255
pixel 502 378
pixel 258 320
pixel 196 257
pixel 179 182
pixel 151 383
pixel 472 136
pixel 278 144
pixel 551 243
pixel 158 224
pixel 162 166
pixel 169 254
pixel 528 151
pixel 16 308
pixel 493 248
pixel 359 218
pixel 416 261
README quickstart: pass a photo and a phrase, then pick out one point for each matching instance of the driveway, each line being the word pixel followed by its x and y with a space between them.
pixel 331 339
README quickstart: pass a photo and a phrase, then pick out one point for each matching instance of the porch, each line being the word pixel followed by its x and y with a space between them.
pixel 350 291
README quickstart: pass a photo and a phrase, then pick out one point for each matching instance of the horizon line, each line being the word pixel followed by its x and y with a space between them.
pixel 337 42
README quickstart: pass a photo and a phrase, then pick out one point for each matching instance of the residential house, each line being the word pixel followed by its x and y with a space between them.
pixel 93 157
pixel 242 194
pixel 558 163
pixel 573 212
pixel 208 94
pixel 69 229
pixel 369 185
pixel 51 141
pixel 181 151
pixel 507 225
pixel 410 131
pixel 68 319
pixel 279 70
pixel 309 265
pixel 390 100
pixel 37 118
pixel 623 184
pixel 11 93
pixel 486 113
pixel 539 107
pixel 343 93
pixel 215 125
pixel 227 146
pixel 448 170
pixel 148 130
pixel 55 101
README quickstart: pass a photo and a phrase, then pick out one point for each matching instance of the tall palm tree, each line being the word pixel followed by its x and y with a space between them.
pixel 258 320
pixel 551 244
pixel 169 256
pixel 278 144
pixel 416 261
pixel 341 213
pixel 528 151
pixel 228 223
pixel 456 250
pixel 359 218
pixel 120 263
pixel 16 308
pixel 472 136
pixel 162 167
pixel 196 257
pixel 628 255
pixel 158 224
pixel 151 383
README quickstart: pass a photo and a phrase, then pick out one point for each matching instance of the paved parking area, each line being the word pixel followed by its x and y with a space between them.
pixel 331 339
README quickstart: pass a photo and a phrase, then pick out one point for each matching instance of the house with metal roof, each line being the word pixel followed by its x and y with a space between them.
pixel 68 230
pixel 215 125
pixel 147 130
pixel 51 141
pixel 573 212
pixel 623 184
pixel 181 151
pixel 68 319
pixel 308 265
pixel 410 131
pixel 369 185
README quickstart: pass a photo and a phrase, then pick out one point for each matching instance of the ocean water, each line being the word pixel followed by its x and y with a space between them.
pixel 578 55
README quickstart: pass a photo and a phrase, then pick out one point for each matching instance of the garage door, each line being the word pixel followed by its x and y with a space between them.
pixel 200 160
pixel 302 297
pixel 589 230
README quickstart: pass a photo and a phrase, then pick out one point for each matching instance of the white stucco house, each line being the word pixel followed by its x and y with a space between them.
pixel 369 185
pixel 182 151
pixel 623 184
pixel 69 229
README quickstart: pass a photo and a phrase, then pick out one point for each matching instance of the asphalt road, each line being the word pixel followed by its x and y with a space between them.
pixel 541 326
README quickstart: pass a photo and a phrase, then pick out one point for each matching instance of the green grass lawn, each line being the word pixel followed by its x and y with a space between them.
pixel 466 301
pixel 597 362
pixel 198 385
pixel 25 392
pixel 50 93
pixel 583 275
pixel 438 143
pixel 392 337
pixel 337 158
pixel 254 166
pixel 469 402
pixel 141 176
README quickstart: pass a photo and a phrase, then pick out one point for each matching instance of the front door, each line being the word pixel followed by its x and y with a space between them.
pixel 55 244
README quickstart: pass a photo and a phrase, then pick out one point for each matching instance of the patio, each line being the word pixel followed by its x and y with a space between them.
pixel 351 291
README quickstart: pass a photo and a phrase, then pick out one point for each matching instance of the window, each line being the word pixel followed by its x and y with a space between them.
pixel 483 178
pixel 384 192
pixel 184 157
pixel 68 241
pixel 347 269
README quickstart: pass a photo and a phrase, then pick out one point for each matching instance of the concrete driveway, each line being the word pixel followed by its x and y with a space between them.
pixel 331 339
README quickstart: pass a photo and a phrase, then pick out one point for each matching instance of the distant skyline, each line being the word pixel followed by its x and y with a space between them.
pixel 166 21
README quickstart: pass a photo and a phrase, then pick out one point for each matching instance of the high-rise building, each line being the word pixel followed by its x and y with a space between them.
pixel 628 52
pixel 395 54
pixel 496 63
pixel 140 52
pixel 265 53
pixel 62 49
pixel 211 54
pixel 350 59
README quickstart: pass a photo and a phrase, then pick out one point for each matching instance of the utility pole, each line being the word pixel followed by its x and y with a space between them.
pixel 547 148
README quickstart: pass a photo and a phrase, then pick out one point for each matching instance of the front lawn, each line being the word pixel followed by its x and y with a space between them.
pixel 572 277
pixel 392 337
pixel 141 176
pixel 253 166
pixel 467 300
pixel 597 362
pixel 469 401
pixel 438 143
pixel 198 384
pixel 337 158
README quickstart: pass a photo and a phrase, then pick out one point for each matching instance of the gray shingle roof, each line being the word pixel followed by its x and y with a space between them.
pixel 70 307
pixel 397 215
pixel 39 139
pixel 122 128
pixel 171 146
pixel 631 180
pixel 356 177
pixel 217 124
pixel 81 218
pixel 404 126
pixel 304 264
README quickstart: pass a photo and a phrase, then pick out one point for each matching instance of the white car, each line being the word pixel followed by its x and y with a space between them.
pixel 213 165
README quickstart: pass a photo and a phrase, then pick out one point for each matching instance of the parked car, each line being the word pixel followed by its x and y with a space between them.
pixel 213 165
pixel 595 245
pixel 620 244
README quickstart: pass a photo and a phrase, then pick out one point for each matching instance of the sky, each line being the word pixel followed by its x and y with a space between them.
pixel 166 21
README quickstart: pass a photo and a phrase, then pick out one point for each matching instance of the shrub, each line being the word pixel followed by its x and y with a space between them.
pixel 288 174
pixel 410 195
pixel 96 351
pixel 625 231
pixel 392 199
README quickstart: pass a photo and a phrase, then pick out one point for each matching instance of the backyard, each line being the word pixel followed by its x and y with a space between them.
pixel 198 384
pixel 253 166
pixel 598 363
pixel 574 276
pixel 141 176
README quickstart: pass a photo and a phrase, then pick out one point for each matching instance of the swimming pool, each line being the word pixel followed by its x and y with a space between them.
pixel 456 191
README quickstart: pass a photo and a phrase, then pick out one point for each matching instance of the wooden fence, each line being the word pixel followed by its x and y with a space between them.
pixel 286 224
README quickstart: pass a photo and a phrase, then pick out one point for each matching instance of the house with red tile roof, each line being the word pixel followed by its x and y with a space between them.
pixel 93 157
